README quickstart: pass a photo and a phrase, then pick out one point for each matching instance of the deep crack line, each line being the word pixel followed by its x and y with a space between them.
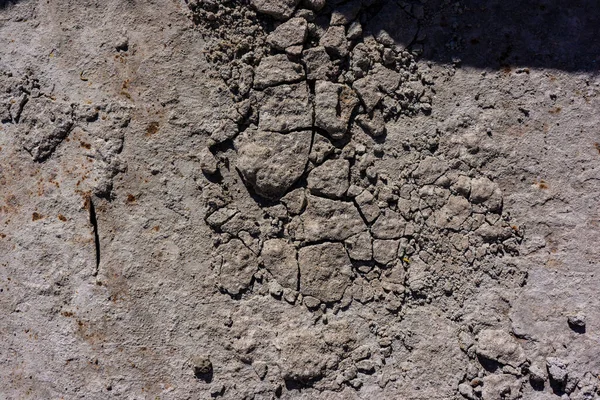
pixel 94 222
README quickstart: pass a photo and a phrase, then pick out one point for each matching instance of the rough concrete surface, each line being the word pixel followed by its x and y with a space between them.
pixel 299 199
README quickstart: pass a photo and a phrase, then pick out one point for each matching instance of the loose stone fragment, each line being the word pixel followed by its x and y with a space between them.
pixel 501 386
pixel 279 9
pixel 418 275
pixel 276 211
pixel 294 51
pixel 219 217
pixel 492 233
pixel 487 193
pixel 390 225
pixel 481 189
pixel 393 278
pixel 290 295
pixel 537 375
pixel 330 179
pixel 285 108
pixel 462 185
pixel 361 60
pixel 501 347
pixel 224 129
pixel 368 92
pixel 237 268
pixel 360 246
pixel 346 13
pixel 326 219
pixel 334 41
pixel 203 367
pixel 208 162
pixel 366 203
pixel 363 352
pixel 318 64
pixel 295 201
pixel 453 214
pixel 429 170
pixel 385 251
pixel 217 389
pixel 466 391
pixel 577 322
pixel 355 31
pixel 557 370
pixel 276 70
pixel 334 104
pixel 240 222
pixel 122 44
pixel 373 124
pixel 354 190
pixel 308 15
pixel 275 289
pixel 321 149
pixel 325 271
pixel 261 368
pixel 271 162
pixel 290 33
pixel 314 4
pixel 279 258
pixel 311 302
pixel 372 88
pixel 386 79
pixel 365 366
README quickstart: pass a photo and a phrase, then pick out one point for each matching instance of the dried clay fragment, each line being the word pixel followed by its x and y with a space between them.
pixel 279 9
pixel 271 162
pixel 326 219
pixel 325 271
pixel 334 104
pixel 290 33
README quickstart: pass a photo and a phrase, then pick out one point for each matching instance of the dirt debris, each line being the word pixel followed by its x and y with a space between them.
pixel 357 228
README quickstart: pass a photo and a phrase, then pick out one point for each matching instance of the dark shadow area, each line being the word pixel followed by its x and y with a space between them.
pixel 206 377
pixel 536 384
pixel 489 365
pixel 558 388
pixel 299 385
pixel 577 328
pixel 497 34
pixel 6 3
